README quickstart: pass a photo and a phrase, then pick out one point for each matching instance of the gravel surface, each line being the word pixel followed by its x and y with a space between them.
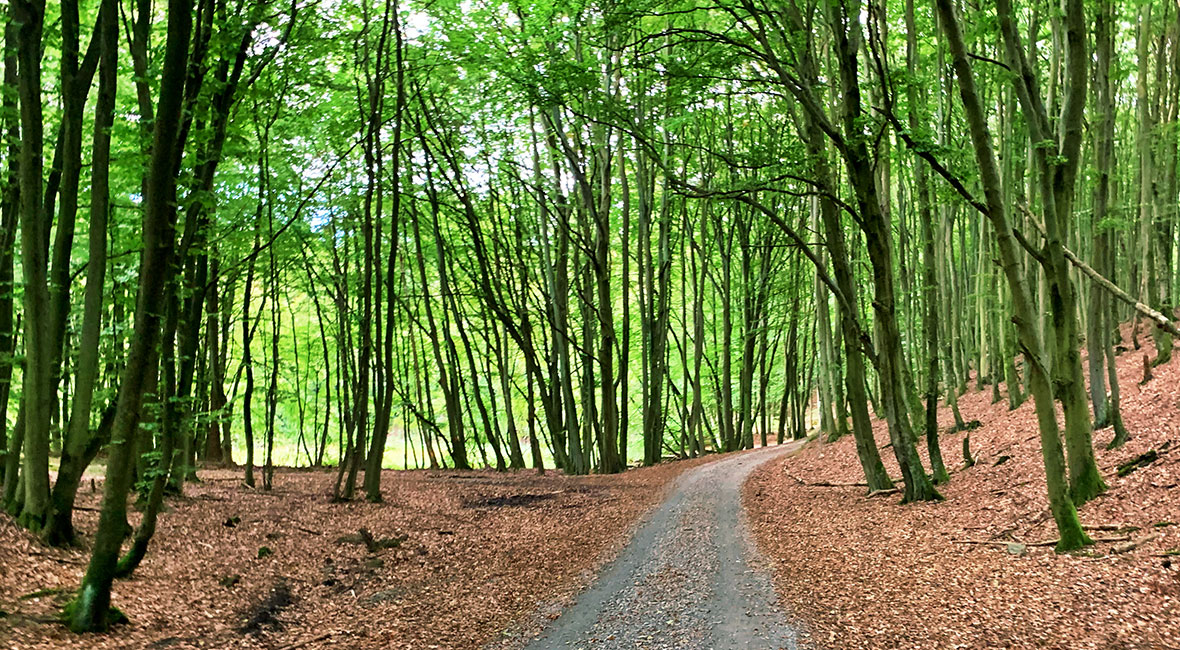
pixel 688 579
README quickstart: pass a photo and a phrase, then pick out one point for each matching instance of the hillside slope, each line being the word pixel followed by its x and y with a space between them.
pixel 871 573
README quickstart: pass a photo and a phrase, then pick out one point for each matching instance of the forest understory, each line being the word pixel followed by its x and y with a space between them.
pixel 978 570
pixel 455 559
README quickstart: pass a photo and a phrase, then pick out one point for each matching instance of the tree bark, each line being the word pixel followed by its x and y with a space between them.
pixel 1061 505
pixel 90 611
pixel 38 396
pixel 80 444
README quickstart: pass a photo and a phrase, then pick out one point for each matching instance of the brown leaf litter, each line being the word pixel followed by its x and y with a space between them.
pixel 452 560
pixel 872 573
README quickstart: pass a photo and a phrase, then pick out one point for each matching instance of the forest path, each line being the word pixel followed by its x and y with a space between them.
pixel 687 579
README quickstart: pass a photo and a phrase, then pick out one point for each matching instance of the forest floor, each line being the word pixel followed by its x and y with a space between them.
pixel 970 572
pixel 458 557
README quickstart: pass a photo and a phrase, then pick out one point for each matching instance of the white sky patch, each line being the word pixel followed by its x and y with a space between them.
pixel 319 218
pixel 265 38
pixel 416 25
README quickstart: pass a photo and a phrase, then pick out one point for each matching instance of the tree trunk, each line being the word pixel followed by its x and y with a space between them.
pixel 39 400
pixel 247 357
pixel 80 445
pixel 929 268
pixel 90 611
pixel 877 229
pixel 1061 505
pixel 214 452
pixel 9 209
pixel 1056 188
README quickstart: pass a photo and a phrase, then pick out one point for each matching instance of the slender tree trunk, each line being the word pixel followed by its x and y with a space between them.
pixel 384 408
pixel 91 610
pixel 272 388
pixel 855 375
pixel 214 453
pixel 827 421
pixel 1097 328
pixel 890 356
pixel 247 357
pixel 1057 186
pixel 155 493
pixel 80 445
pixel 929 268
pixel 38 396
pixel 1061 505
pixel 9 209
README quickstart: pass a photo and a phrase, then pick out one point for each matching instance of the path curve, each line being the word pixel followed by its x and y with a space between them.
pixel 686 579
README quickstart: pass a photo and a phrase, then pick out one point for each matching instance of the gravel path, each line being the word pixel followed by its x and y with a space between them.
pixel 686 580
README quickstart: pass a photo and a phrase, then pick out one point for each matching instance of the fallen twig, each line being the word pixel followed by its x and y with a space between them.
pixel 306 643
pixel 1096 540
pixel 1107 527
pixel 1047 542
pixel 825 483
pixel 301 528
pixel 60 560
pixel 41 593
pixel 1130 546
pixel 1142 460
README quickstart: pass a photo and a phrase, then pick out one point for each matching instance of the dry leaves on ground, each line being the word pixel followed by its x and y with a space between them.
pixel 457 558
pixel 867 572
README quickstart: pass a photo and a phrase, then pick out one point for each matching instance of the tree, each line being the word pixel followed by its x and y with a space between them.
pixel 91 609
pixel 1060 502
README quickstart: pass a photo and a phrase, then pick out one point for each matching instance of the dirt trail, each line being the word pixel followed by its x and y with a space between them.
pixel 687 579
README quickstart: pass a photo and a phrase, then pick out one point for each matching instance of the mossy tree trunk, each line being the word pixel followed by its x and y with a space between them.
pixel 37 394
pixel 1061 505
pixel 90 611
